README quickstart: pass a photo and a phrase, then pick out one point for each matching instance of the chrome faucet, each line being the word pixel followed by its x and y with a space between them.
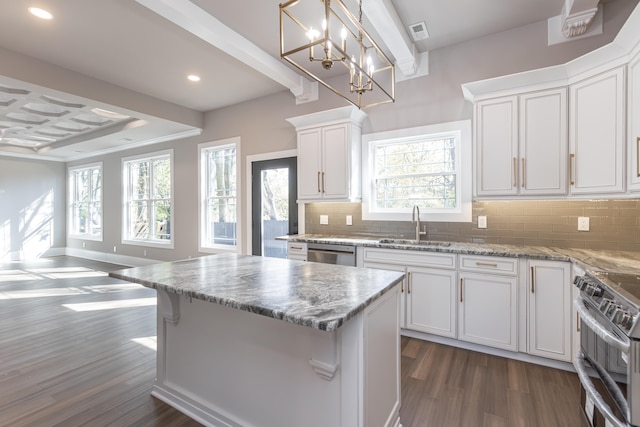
pixel 416 219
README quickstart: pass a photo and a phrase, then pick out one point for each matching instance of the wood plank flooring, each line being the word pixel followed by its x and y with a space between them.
pixel 74 351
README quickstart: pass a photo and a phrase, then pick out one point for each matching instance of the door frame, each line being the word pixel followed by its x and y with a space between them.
pixel 248 246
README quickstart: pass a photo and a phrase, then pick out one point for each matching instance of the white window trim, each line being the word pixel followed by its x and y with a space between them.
pixel 464 180
pixel 234 141
pixel 169 244
pixel 70 199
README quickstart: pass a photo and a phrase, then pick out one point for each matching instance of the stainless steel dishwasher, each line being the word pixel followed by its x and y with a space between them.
pixel 331 254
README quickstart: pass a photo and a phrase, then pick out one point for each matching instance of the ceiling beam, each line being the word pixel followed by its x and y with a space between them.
pixel 389 26
pixel 198 22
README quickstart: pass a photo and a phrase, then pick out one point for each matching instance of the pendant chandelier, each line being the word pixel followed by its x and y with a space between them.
pixel 327 42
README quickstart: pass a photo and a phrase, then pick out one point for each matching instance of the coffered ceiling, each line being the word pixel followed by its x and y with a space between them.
pixel 58 77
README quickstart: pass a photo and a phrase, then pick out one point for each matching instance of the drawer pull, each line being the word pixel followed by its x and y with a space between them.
pixel 409 283
pixel 461 289
pixel 298 248
pixel 486 264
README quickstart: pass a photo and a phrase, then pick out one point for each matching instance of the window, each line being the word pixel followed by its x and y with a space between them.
pixel 148 199
pixel 218 194
pixel 85 202
pixel 428 166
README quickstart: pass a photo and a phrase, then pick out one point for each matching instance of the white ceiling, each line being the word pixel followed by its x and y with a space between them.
pixel 123 43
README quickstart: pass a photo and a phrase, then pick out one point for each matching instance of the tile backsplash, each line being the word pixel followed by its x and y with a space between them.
pixel 614 224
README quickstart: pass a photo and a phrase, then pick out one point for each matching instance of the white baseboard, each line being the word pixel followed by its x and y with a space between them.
pixel 565 366
pixel 126 260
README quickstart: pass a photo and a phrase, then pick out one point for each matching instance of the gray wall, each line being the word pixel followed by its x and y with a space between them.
pixel 32 207
pixel 262 127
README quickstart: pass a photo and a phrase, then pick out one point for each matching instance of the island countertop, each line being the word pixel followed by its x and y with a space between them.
pixel 319 296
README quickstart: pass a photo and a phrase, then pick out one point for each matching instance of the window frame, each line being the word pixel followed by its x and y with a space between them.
pixel 126 188
pixel 204 245
pixel 71 171
pixel 464 173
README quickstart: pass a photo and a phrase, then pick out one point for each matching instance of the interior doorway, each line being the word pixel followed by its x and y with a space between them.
pixel 274 209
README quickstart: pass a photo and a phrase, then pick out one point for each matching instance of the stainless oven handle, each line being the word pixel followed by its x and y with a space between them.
pixel 594 395
pixel 596 327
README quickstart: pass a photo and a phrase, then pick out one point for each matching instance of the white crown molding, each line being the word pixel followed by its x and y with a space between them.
pixel 616 53
pixel 336 115
pixel 198 22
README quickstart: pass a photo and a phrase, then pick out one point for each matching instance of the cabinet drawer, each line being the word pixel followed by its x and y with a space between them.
pixel 487 264
pixel 297 250
pixel 402 257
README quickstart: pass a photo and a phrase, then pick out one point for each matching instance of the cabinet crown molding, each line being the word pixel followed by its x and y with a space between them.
pixel 336 115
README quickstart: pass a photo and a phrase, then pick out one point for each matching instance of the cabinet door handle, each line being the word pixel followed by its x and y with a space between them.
pixel 486 264
pixel 638 156
pixel 533 279
pixel 515 176
pixel 318 181
pixel 322 182
pixel 571 160
pixel 522 182
pixel 577 322
pixel 409 282
pixel 461 289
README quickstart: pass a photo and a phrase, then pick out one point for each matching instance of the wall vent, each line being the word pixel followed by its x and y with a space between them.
pixel 419 31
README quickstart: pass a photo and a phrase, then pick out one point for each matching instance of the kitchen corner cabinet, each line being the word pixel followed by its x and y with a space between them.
pixel 549 319
pixel 487 311
pixel 522 144
pixel 428 294
pixel 597 133
pixel 633 117
pixel 329 146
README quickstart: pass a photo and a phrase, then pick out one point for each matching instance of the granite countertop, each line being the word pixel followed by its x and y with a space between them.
pixel 320 296
pixel 590 260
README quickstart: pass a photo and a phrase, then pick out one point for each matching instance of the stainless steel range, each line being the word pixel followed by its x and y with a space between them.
pixel 609 361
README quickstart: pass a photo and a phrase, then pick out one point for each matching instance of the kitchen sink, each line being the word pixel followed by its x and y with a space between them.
pixel 415 242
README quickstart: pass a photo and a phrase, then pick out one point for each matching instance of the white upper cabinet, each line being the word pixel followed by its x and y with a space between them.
pixel 329 145
pixel 597 134
pixel 497 146
pixel 522 144
pixel 543 144
pixel 633 117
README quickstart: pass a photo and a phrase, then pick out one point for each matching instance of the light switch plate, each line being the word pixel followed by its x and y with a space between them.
pixel 324 219
pixel 583 223
pixel 349 220
pixel 482 221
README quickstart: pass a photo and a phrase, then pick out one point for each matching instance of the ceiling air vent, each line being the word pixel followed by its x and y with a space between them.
pixel 419 31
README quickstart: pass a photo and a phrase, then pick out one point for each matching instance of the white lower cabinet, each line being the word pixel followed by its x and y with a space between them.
pixel 428 294
pixel 550 307
pixel 488 310
pixel 488 304
pixel 431 301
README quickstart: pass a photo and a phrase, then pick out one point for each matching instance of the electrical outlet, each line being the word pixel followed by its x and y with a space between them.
pixel 324 219
pixel 583 223
pixel 144 252
pixel 349 220
pixel 482 221
pixel 84 245
pixel 114 249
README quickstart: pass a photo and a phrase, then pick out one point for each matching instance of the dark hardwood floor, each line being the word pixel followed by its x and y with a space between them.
pixel 75 351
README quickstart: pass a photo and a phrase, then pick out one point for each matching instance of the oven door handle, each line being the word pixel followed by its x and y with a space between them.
pixel 594 395
pixel 596 327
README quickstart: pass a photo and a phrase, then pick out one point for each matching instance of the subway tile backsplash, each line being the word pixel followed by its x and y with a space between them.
pixel 614 224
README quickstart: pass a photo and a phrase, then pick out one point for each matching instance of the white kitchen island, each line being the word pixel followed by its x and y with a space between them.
pixel 264 342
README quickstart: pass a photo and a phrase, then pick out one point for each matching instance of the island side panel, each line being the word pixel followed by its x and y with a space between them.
pixel 224 366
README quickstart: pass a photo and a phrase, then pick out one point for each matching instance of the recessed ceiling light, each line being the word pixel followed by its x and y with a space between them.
pixel 40 13
pixel 193 78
